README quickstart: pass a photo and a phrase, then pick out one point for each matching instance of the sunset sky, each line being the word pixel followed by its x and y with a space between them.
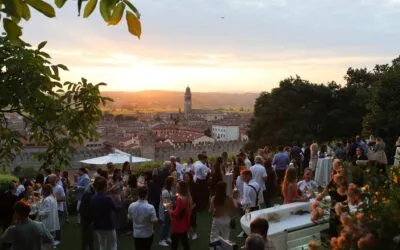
pixel 222 45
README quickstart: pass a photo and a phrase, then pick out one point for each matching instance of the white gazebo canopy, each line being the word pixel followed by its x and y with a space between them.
pixel 118 157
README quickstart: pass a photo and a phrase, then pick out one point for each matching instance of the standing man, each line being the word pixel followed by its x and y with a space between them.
pixel 179 168
pixel 201 171
pixel 259 173
pixel 102 209
pixel 26 234
pixel 21 187
pixel 143 216
pixel 281 163
pixel 82 183
pixel 85 219
pixel 252 195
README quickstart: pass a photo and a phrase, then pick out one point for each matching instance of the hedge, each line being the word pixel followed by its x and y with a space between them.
pixel 5 180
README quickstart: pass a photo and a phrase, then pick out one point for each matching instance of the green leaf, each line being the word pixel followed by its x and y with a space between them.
pixel 26 12
pixel 63 67
pixel 41 45
pixel 104 10
pixel 117 14
pixel 55 70
pixel 134 25
pixel 43 7
pixel 12 29
pixel 11 8
pixel 89 8
pixel 133 8
pixel 60 3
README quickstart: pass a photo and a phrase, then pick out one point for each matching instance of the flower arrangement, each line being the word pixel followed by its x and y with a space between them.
pixel 370 218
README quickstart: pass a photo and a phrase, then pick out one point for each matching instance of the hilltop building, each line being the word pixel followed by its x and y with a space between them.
pixel 225 132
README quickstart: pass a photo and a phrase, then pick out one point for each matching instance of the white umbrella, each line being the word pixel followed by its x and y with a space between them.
pixel 118 157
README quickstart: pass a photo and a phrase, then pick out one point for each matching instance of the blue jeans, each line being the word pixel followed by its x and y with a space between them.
pixel 166 226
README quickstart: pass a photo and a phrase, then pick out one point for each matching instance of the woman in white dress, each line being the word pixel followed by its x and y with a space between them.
pixel 397 153
pixel 313 156
pixel 48 212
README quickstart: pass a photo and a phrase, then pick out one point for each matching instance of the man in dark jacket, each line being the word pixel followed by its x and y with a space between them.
pixel 86 227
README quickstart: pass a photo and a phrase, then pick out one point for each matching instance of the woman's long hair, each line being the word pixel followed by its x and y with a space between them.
pixel 47 190
pixel 184 192
pixel 114 177
pixel 220 193
pixel 169 182
pixel 132 181
pixel 290 177
pixel 217 169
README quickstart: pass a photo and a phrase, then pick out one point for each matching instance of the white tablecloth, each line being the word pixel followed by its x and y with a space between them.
pixel 323 171
pixel 278 231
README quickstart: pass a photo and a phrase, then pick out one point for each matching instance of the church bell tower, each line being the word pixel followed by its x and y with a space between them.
pixel 188 102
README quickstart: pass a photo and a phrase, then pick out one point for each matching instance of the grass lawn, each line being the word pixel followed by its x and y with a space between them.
pixel 71 235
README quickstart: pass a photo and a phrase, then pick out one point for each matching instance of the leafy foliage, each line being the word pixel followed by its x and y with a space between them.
pixel 383 116
pixel 111 11
pixel 5 180
pixel 55 114
pixel 302 111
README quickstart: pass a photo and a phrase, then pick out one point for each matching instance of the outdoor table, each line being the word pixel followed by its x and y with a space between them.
pixel 290 231
pixel 323 171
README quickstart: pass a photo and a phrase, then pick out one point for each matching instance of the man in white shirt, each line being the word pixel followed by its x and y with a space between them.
pixel 60 197
pixel 252 194
pixel 178 166
pixel 259 173
pixel 143 216
pixel 200 177
pixel 21 187
pixel 307 184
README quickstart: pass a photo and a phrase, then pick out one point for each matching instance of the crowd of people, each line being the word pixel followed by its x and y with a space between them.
pixel 117 201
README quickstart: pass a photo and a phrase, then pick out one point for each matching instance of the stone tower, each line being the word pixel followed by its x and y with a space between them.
pixel 188 102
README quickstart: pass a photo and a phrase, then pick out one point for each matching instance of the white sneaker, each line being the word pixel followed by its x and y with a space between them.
pixel 169 240
pixel 163 243
pixel 240 235
pixel 194 236
pixel 56 243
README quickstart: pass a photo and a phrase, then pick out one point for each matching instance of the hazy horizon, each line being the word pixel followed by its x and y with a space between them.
pixel 221 46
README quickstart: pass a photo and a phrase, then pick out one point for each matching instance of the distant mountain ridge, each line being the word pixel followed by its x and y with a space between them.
pixel 160 99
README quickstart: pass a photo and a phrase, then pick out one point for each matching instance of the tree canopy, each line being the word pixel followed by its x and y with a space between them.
pixel 111 11
pixel 301 111
pixel 56 114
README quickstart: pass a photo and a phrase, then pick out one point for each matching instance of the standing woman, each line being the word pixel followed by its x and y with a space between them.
pixel 222 208
pixel 180 217
pixel 167 199
pixel 397 153
pixel 48 212
pixel 289 187
pixel 270 184
pixel 126 171
pixel 337 190
pixel 216 175
pixel 380 155
pixel 194 194
pixel 66 185
pixel 313 156
pixel 116 192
